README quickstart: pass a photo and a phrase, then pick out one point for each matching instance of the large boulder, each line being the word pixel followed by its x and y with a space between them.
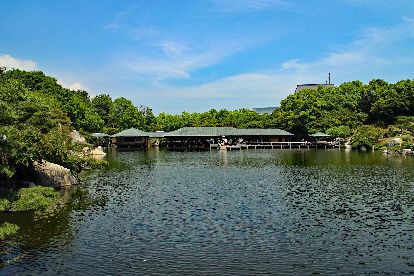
pixel 98 151
pixel 53 175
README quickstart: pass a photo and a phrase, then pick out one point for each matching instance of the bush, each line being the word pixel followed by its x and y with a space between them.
pixel 4 204
pixel 96 163
pixel 392 131
pixel 36 198
pixel 407 145
pixel 366 136
pixel 7 229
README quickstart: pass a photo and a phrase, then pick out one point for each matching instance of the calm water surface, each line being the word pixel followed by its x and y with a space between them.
pixel 240 212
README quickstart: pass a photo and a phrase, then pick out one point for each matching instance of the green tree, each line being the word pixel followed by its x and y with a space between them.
pixel 36 81
pixel 392 101
pixel 102 105
pixel 12 92
pixel 125 115
pixel 18 149
pixel 339 131
pixel 82 114
pixel 150 121
pixel 168 122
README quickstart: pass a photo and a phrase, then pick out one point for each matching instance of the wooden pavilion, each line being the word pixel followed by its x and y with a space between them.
pixel 132 137
pixel 203 137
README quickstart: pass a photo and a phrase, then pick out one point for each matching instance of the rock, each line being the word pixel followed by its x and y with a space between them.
pixel 86 151
pixel 394 141
pixel 407 151
pixel 53 175
pixel 77 138
pixel 98 151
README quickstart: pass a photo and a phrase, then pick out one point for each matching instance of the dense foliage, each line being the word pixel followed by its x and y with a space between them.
pixel 243 118
pixel 37 114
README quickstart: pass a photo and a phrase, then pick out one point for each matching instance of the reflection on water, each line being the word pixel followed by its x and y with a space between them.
pixel 219 212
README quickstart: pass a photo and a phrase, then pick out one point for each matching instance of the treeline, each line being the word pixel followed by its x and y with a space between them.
pixel 334 110
pixel 103 114
pixel 37 113
pixel 339 110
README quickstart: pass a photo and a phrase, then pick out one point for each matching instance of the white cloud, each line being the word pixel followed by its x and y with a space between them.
pixel 293 64
pixel 14 63
pixel 171 48
pixel 410 22
pixel 372 55
pixel 176 60
pixel 10 62
pixel 73 86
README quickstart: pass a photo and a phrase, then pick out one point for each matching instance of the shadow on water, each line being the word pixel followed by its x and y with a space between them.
pixel 41 230
pixel 228 212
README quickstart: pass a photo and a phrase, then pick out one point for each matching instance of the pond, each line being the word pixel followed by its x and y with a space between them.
pixel 239 212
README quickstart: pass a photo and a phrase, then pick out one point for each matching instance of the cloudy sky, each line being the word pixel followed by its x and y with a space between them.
pixel 194 55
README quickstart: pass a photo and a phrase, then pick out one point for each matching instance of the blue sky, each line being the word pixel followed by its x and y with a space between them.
pixel 182 55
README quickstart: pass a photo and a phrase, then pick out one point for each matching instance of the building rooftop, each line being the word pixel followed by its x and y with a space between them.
pixel 132 132
pixel 313 86
pixel 265 110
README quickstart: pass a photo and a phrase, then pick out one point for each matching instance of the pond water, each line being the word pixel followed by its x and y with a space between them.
pixel 240 212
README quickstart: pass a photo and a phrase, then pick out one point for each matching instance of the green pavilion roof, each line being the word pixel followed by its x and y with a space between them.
pixel 320 134
pixel 132 132
pixel 224 131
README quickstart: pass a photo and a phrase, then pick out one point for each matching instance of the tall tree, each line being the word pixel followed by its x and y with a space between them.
pixel 102 105
pixel 125 115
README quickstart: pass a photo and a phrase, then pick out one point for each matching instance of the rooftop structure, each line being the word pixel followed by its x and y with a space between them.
pixel 312 86
pixel 315 86
pixel 264 110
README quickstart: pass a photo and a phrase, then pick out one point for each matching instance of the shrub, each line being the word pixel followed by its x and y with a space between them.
pixel 392 131
pixel 366 136
pixel 407 145
pixel 4 204
pixel 36 198
pixel 7 229
pixel 96 163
